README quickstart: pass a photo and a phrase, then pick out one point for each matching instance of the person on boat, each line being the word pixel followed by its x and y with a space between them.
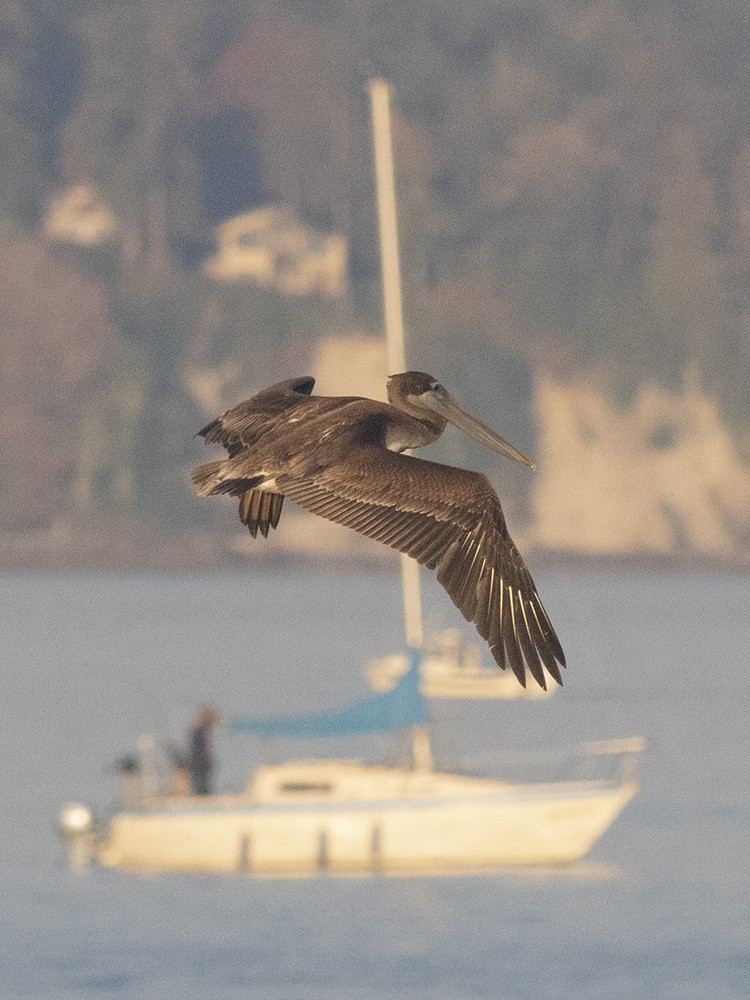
pixel 129 769
pixel 179 769
pixel 201 758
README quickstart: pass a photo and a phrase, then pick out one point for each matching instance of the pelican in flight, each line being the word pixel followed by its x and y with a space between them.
pixel 341 457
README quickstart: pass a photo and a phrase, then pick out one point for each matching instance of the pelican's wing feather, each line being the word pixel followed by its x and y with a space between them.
pixel 450 520
pixel 244 423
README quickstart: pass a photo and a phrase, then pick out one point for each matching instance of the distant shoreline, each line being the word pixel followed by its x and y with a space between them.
pixel 143 548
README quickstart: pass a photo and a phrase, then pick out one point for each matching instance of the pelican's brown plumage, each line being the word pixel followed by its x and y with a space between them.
pixel 340 457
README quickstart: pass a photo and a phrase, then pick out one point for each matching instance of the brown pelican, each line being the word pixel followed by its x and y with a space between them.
pixel 340 457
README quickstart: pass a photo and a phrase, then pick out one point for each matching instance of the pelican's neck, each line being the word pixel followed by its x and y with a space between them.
pixel 412 432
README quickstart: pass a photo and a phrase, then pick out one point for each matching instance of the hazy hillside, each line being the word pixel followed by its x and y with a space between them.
pixel 574 193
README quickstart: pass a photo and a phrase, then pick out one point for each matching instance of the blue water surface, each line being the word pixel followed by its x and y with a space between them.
pixel 661 909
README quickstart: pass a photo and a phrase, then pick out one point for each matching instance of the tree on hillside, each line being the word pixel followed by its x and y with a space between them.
pixel 60 386
pixel 133 133
pixel 685 279
pixel 21 146
pixel 289 74
pixel 129 132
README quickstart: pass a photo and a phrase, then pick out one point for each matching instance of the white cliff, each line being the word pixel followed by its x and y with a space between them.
pixel 661 475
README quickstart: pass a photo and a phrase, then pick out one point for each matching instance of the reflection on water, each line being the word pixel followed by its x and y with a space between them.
pixel 585 871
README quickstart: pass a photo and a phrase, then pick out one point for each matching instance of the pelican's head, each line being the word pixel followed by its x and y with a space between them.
pixel 424 397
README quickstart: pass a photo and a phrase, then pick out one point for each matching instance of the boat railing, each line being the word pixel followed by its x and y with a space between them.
pixel 610 762
pixel 625 751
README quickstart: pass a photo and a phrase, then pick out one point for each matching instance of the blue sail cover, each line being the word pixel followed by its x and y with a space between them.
pixel 403 705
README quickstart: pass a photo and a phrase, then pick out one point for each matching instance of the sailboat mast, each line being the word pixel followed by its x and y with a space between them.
pixel 380 100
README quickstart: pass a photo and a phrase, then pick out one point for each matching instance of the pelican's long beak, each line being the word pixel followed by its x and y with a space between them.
pixel 446 406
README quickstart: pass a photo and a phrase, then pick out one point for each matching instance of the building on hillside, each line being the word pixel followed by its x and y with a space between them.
pixel 272 247
pixel 79 215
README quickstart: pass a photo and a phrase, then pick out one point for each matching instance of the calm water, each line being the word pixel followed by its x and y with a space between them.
pixel 663 911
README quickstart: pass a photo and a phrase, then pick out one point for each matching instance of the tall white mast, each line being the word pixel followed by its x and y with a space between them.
pixel 380 96
pixel 380 99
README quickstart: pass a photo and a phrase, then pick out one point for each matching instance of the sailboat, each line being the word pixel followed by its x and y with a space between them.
pixel 452 668
pixel 338 816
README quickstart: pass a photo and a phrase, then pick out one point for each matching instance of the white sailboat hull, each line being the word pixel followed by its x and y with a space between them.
pixel 419 821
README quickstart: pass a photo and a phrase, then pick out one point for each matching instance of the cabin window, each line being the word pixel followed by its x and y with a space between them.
pixel 306 787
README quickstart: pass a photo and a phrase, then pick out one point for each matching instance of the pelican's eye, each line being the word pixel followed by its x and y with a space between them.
pixel 436 387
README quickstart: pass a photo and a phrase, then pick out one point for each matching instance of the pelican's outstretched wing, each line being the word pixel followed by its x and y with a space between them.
pixel 450 520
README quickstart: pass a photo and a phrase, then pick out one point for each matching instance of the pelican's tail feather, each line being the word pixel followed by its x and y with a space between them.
pixel 206 477
pixel 215 478
pixel 260 510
